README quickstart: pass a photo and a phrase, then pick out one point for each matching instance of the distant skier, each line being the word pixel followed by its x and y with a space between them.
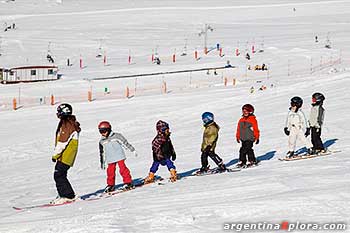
pixel 163 152
pixel 247 133
pixel 66 148
pixel 316 121
pixel 111 152
pixel 295 126
pixel 247 56
pixel 210 137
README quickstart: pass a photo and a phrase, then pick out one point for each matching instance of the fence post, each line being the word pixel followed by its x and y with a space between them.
pixel 89 96
pixel 127 92
pixel 14 104
pixel 52 100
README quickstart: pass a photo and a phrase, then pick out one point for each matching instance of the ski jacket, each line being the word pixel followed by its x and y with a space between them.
pixel 210 136
pixel 111 148
pixel 316 116
pixel 66 141
pixel 247 129
pixel 162 148
pixel 297 120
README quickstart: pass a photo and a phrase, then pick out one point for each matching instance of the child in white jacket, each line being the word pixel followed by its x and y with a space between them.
pixel 296 124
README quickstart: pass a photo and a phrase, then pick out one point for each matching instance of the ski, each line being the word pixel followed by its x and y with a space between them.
pixel 309 156
pixel 215 171
pixel 118 191
pixel 92 197
pixel 41 206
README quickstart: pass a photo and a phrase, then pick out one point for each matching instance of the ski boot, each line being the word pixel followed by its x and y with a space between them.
pixel 222 167
pixel 311 151
pixel 240 164
pixel 290 154
pixel 109 188
pixel 173 175
pixel 149 178
pixel 127 186
pixel 62 200
pixel 251 164
pixel 203 170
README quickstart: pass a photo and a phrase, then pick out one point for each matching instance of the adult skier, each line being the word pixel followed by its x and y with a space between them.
pixel 295 127
pixel 66 148
pixel 111 152
pixel 316 121
pixel 247 133
pixel 210 137
pixel 163 152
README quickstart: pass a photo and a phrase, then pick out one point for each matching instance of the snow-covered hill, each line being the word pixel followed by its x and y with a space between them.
pixel 307 191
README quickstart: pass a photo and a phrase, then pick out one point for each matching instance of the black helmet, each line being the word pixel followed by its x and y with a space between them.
pixel 64 110
pixel 296 101
pixel 318 98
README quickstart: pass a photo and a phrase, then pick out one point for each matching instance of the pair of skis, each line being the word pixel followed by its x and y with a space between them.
pixel 308 156
pixel 92 197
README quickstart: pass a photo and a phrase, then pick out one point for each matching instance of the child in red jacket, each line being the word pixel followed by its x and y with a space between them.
pixel 247 134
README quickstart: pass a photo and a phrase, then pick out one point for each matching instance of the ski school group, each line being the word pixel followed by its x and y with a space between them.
pixel 112 144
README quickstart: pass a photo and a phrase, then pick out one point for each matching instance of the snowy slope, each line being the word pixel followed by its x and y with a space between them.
pixel 315 190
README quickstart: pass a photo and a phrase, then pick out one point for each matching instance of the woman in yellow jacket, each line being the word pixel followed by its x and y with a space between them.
pixel 66 148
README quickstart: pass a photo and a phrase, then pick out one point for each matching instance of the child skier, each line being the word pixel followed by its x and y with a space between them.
pixel 247 133
pixel 163 152
pixel 66 148
pixel 295 125
pixel 316 121
pixel 111 152
pixel 210 137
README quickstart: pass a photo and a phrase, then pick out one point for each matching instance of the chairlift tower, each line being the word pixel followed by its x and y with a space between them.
pixel 205 33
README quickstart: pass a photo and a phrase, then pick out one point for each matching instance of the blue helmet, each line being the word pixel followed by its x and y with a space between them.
pixel 207 118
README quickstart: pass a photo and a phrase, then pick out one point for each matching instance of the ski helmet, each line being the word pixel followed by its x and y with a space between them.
pixel 318 98
pixel 64 110
pixel 207 118
pixel 104 126
pixel 296 101
pixel 249 108
pixel 162 126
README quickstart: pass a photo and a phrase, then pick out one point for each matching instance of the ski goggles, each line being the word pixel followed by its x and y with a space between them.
pixel 103 130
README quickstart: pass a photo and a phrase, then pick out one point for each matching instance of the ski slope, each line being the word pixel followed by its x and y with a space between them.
pixel 314 190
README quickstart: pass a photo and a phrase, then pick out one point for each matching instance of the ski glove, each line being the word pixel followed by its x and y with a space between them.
pixel 102 162
pixel 238 141
pixel 53 160
pixel 173 157
pixel 207 149
pixel 307 133
pixel 257 141
pixel 286 131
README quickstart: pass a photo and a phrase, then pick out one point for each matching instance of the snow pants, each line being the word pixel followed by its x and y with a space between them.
pixel 247 150
pixel 63 186
pixel 165 162
pixel 123 171
pixel 212 155
pixel 316 138
pixel 295 134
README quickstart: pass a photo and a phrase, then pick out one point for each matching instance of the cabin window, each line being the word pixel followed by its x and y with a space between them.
pixel 12 73
pixel 33 72
pixel 50 71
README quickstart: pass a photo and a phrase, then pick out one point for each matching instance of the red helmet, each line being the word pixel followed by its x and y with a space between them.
pixel 249 108
pixel 104 126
